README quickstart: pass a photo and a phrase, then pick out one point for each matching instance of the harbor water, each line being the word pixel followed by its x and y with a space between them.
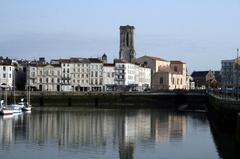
pixel 73 133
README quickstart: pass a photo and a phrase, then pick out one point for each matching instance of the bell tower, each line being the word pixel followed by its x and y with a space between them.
pixel 127 52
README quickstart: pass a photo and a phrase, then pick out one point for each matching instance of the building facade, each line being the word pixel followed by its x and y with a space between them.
pixel 166 75
pixel 44 76
pixel 108 77
pixel 131 76
pixel 230 74
pixel 6 73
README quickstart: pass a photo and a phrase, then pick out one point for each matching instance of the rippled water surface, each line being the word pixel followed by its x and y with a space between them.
pixel 121 134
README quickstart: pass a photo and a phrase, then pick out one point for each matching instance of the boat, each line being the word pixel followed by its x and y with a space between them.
pixel 5 110
pixel 26 105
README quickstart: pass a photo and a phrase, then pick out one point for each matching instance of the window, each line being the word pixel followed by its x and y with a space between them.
pixel 52 80
pixel 161 80
pixel 46 80
pixel 4 75
pixel 4 68
pixel 10 76
pixel 10 68
pixel 175 68
pixel 40 80
pixel 96 74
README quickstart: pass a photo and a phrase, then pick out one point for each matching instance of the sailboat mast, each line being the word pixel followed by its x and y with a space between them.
pixel 237 76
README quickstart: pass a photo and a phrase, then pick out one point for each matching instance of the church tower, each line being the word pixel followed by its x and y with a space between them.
pixel 127 52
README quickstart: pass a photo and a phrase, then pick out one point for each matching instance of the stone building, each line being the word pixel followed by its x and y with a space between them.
pixel 166 75
pixel 127 52
pixel 44 76
pixel 206 79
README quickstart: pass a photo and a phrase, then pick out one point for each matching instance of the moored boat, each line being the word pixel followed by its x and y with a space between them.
pixel 4 110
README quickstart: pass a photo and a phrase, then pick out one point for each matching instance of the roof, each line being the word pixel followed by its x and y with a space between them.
pixel 65 60
pixel 95 60
pixel 199 73
pixel 127 26
pixel 155 58
pixel 177 62
pixel 119 61
pixel 5 61
pixel 108 64
pixel 79 60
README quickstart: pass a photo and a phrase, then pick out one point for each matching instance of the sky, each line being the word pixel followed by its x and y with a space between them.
pixel 200 33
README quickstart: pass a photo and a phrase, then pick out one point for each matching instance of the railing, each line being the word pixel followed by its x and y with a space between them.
pixel 224 96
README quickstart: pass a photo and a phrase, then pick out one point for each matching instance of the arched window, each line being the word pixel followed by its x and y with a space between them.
pixel 127 40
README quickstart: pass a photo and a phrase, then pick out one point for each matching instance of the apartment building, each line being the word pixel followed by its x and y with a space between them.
pixel 6 73
pixel 132 76
pixel 44 76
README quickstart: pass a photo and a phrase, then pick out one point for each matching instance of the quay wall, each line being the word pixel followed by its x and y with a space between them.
pixel 224 111
pixel 117 100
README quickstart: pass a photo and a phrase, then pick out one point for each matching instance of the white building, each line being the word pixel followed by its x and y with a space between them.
pixel 133 76
pixel 96 74
pixel 79 74
pixel 44 76
pixel 6 73
pixel 108 77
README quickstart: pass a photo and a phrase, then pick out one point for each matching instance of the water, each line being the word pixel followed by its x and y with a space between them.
pixel 80 133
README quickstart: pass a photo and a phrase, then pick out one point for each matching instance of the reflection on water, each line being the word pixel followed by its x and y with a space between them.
pixel 105 134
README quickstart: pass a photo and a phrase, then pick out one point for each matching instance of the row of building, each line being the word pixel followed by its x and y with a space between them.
pixel 94 74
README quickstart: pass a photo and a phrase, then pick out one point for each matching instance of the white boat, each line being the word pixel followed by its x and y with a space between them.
pixel 26 105
pixel 16 108
pixel 4 110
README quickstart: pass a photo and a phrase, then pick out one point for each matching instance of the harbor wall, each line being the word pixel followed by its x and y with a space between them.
pixel 120 100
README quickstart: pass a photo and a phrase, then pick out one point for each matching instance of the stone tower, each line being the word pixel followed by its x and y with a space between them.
pixel 127 52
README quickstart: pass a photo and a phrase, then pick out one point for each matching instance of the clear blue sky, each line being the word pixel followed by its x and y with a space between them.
pixel 200 33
